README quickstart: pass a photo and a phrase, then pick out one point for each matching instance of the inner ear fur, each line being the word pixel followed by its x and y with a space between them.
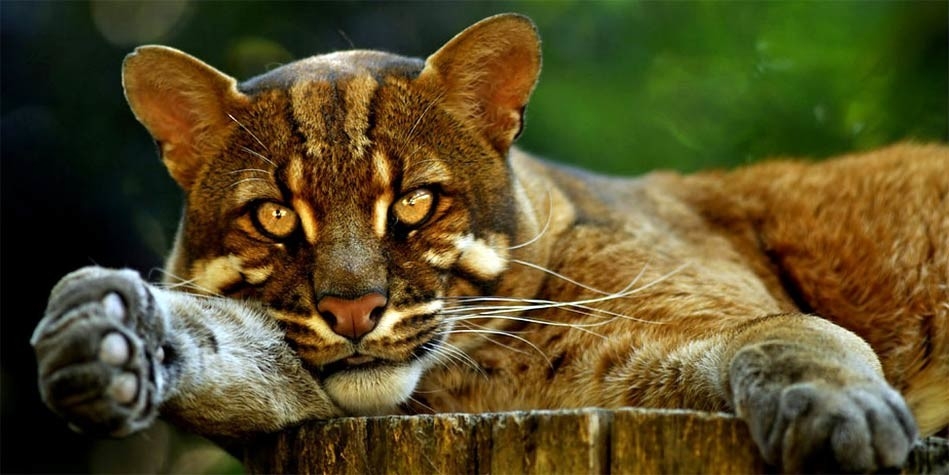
pixel 185 105
pixel 487 73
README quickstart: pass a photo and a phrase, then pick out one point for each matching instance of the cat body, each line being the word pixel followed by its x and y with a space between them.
pixel 360 237
pixel 740 248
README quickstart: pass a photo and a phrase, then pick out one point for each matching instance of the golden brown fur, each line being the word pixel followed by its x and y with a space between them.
pixel 767 239
pixel 372 205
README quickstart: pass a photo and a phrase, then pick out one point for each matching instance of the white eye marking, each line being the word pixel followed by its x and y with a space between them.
pixel 441 260
pixel 213 275
pixel 257 275
pixel 479 258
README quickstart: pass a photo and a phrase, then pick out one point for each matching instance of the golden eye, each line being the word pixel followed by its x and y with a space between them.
pixel 275 220
pixel 414 207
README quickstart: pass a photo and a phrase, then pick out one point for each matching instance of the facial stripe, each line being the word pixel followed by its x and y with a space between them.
pixel 392 316
pixel 358 96
pixel 380 214
pixel 295 176
pixel 321 332
pixel 383 173
pixel 307 219
pixel 297 183
pixel 382 177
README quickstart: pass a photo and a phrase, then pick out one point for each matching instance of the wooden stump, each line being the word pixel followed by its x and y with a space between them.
pixel 539 442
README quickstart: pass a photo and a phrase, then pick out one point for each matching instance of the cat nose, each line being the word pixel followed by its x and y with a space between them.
pixel 351 318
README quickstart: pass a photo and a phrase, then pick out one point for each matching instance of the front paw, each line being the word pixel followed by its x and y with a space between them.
pixel 849 424
pixel 99 352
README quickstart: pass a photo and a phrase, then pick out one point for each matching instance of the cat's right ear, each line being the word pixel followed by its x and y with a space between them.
pixel 185 104
pixel 486 75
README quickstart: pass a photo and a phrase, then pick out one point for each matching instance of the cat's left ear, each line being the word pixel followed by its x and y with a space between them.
pixel 487 73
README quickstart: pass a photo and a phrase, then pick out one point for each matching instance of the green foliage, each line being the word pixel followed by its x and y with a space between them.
pixel 691 85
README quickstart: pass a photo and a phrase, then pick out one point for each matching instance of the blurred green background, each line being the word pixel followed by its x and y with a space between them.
pixel 626 87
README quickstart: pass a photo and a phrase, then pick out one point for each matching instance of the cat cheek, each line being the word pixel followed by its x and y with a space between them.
pixel 480 259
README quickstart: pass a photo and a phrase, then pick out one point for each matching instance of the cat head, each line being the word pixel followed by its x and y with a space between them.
pixel 351 193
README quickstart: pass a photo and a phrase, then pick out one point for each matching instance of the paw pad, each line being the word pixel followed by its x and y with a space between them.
pixel 124 388
pixel 114 349
pixel 114 306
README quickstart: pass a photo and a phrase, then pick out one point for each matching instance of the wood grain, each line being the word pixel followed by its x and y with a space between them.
pixel 594 441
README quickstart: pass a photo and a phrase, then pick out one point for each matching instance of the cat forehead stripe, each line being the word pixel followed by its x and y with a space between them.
pixel 353 96
pixel 358 96
pixel 317 96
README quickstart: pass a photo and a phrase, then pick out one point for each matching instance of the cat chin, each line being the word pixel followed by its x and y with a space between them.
pixel 373 391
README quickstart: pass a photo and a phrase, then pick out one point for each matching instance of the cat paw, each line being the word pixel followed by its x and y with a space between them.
pixel 827 426
pixel 99 352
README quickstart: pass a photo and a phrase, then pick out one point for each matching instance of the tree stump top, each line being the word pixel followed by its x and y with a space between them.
pixel 540 442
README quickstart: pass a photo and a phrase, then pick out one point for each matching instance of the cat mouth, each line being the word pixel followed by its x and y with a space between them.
pixel 353 362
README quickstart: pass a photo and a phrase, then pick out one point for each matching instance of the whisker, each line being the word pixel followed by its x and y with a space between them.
pixel 559 276
pixel 244 180
pixel 420 403
pixel 488 311
pixel 453 353
pixel 249 132
pixel 422 115
pixel 258 155
pixel 502 333
pixel 242 170
pixel 492 340
pixel 624 292
pixel 411 133
pixel 552 323
pixel 185 283
pixel 567 306
pixel 577 306
pixel 543 230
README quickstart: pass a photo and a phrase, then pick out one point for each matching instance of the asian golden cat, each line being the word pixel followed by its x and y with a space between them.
pixel 360 237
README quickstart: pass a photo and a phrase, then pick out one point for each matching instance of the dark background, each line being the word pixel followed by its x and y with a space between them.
pixel 626 87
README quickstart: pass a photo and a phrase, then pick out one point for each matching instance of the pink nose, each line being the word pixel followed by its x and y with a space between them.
pixel 351 318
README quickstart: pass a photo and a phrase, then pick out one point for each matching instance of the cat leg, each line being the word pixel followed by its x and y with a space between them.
pixel 814 397
pixel 113 352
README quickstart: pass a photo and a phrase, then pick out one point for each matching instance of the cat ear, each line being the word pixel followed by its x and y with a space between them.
pixel 487 73
pixel 184 104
